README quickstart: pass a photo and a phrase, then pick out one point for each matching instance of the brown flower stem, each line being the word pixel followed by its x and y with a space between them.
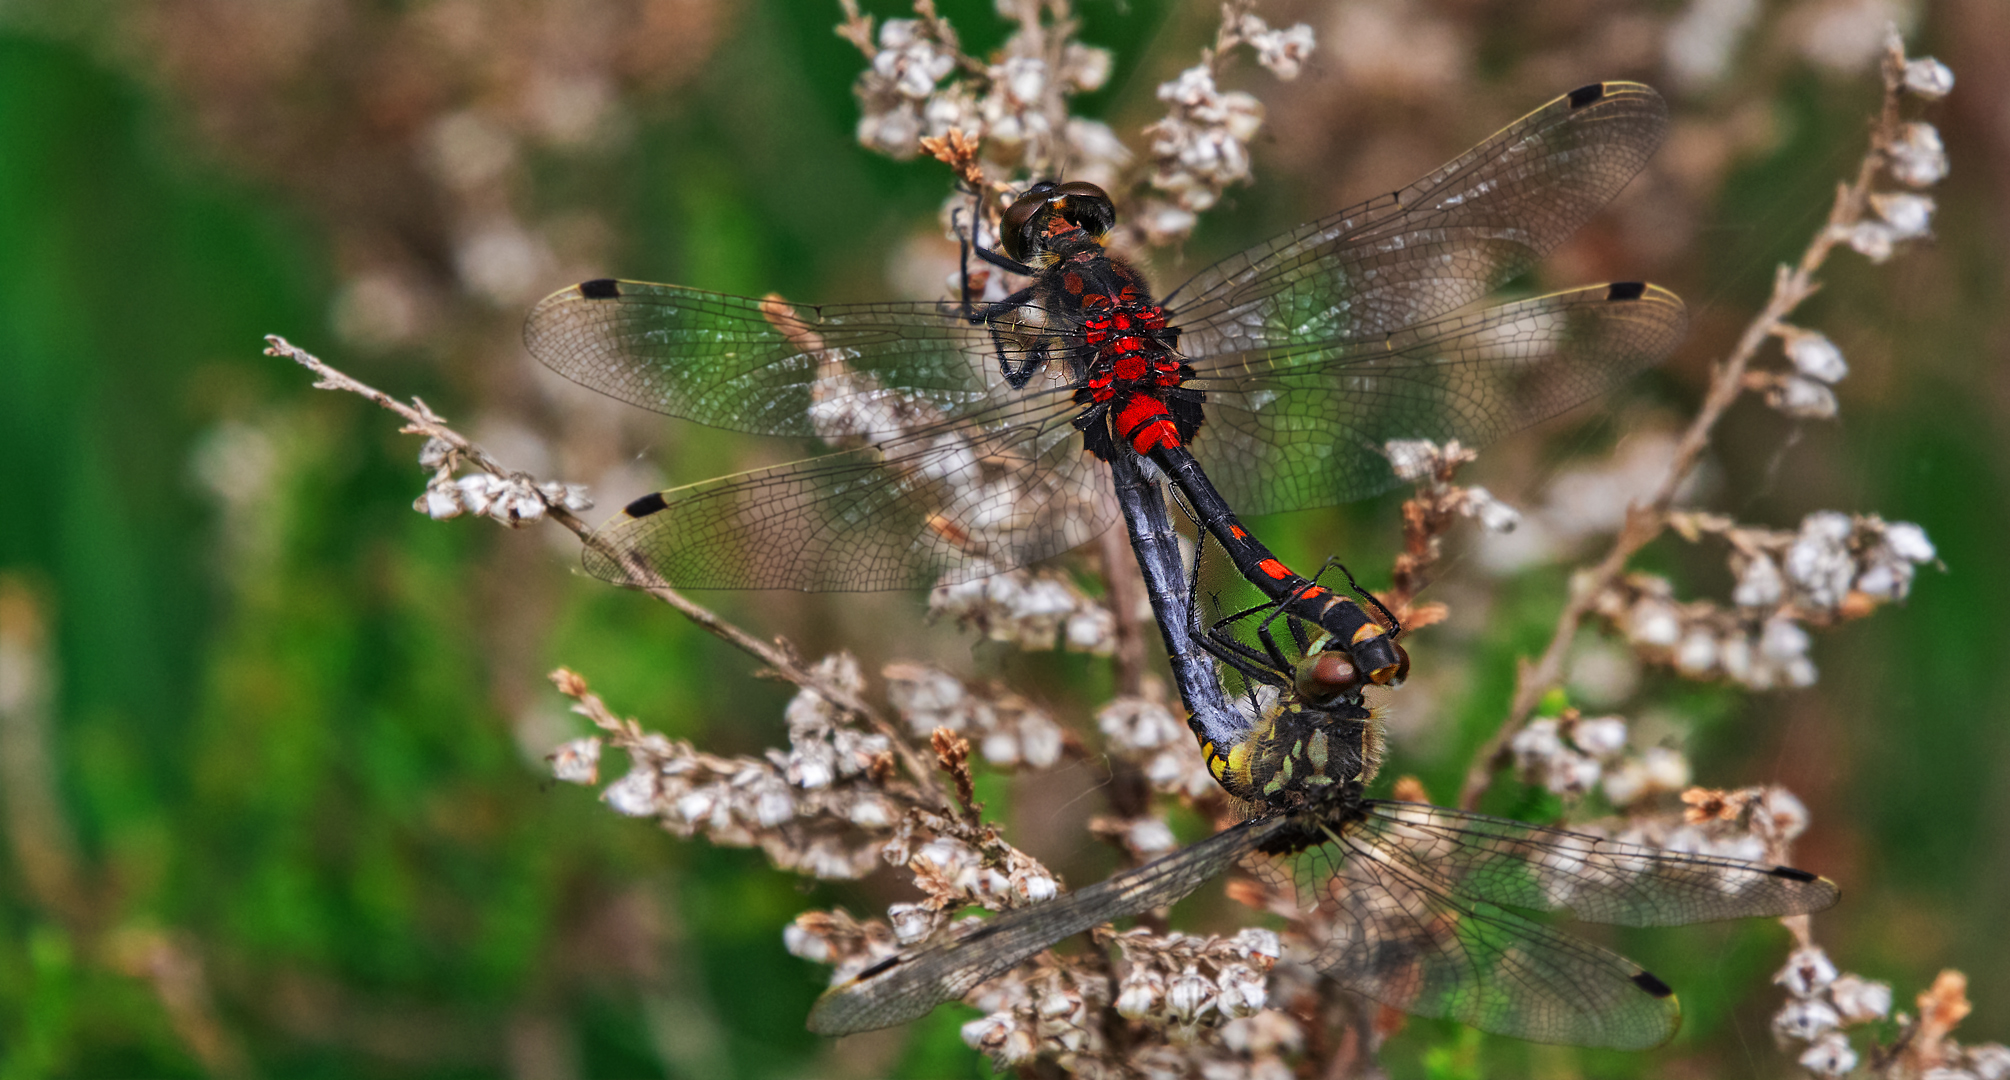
pixel 420 419
pixel 1646 521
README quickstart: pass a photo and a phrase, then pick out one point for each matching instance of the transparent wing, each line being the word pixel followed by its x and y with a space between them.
pixel 1300 425
pixel 1439 244
pixel 770 367
pixel 1594 879
pixel 1395 937
pixel 944 503
pixel 906 986
pixel 1410 899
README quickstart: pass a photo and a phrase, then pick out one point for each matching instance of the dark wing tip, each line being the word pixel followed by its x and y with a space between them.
pixel 645 506
pixel 885 965
pixel 600 289
pixel 1626 290
pixel 1646 980
pixel 1585 95
pixel 1792 874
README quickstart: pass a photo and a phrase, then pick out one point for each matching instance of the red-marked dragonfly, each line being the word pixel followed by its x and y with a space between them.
pixel 1287 369
pixel 1417 906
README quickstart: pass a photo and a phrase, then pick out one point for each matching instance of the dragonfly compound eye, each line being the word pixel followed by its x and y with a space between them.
pixel 1023 220
pixel 1082 205
pixel 1323 676
pixel 1088 207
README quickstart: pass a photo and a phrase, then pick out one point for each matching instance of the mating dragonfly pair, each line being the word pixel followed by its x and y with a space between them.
pixel 967 440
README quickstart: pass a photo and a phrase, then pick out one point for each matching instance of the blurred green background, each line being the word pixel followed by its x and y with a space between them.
pixel 274 801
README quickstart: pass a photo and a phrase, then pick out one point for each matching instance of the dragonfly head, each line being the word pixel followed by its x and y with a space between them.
pixel 1048 210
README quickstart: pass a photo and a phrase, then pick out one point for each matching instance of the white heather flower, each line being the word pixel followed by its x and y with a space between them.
pixel 1815 356
pixel 1874 240
pixel 571 496
pixel 442 500
pixel 1493 514
pixel 1571 774
pixel 1040 740
pixel 1808 969
pixel 1734 655
pixel 633 795
pixel 1990 1061
pixel 1085 67
pixel 911 922
pixel 1802 398
pixel 1602 737
pixel 909 61
pixel 577 762
pixel 1536 743
pixel 1701 41
pixel 1746 848
pixel 1150 836
pixel 479 491
pixel 436 453
pixel 1781 815
pixel 1000 747
pixel 1189 995
pixel 1908 215
pixel 1804 1020
pixel 1140 994
pixel 518 505
pixel 695 806
pixel 1667 769
pixel 1908 541
pixel 1928 78
pixel 1165 223
pixel 1255 941
pixel 801 942
pixel 1696 657
pixel 1918 159
pixel 1412 459
pixel 1035 887
pixel 1133 724
pixel 1242 992
pixel 1625 782
pixel 1284 52
pixel 1829 1055
pixel 1885 580
pixel 1091 629
pixel 1265 1033
pixel 1819 562
pixel 1759 583
pixel 987 1032
pixel 1782 640
pixel 871 812
pixel 1653 622
pixel 1024 77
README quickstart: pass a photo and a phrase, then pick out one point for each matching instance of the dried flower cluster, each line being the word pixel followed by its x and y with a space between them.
pixel 1008 729
pixel 1833 568
pixel 822 808
pixel 1823 1006
pixel 1911 153
pixel 920 91
pixel 1573 755
pixel 1201 147
pixel 1143 730
pixel 1033 610
pixel 515 501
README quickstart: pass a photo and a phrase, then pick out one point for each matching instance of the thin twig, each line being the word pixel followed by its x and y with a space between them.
pixel 420 419
pixel 1646 521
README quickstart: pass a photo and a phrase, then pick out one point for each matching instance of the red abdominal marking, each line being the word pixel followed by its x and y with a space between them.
pixel 1147 423
pixel 1275 569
